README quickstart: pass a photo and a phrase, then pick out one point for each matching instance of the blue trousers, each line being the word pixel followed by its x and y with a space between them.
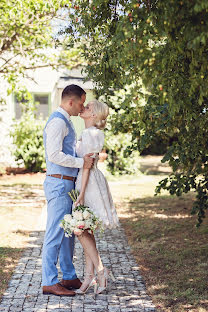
pixel 55 243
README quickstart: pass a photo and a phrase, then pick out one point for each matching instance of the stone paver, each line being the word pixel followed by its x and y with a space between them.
pixel 127 294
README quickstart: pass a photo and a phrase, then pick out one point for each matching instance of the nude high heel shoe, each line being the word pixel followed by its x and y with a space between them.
pixel 106 274
pixel 92 282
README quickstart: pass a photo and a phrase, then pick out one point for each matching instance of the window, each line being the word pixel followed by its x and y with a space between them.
pixel 42 101
pixel 42 104
pixel 18 108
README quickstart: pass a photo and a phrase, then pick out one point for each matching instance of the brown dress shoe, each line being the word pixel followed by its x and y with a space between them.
pixel 69 284
pixel 57 290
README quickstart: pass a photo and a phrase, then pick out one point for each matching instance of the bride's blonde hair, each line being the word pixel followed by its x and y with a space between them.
pixel 101 111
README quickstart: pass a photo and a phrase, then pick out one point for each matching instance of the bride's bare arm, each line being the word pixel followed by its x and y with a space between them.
pixel 85 177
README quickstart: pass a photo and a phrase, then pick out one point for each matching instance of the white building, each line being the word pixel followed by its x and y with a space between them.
pixel 46 88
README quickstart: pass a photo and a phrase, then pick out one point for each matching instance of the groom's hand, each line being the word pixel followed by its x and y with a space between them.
pixel 88 161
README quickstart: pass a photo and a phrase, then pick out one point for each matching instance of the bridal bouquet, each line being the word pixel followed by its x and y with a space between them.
pixel 82 218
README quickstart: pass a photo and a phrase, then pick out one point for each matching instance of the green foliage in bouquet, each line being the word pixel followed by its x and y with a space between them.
pixel 27 135
pixel 157 49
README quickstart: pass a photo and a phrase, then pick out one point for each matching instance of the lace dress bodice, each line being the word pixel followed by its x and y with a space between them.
pixel 91 141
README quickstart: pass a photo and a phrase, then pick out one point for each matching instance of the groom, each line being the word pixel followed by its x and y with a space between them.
pixel 62 168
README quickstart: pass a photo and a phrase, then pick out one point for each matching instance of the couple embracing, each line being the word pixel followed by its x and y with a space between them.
pixel 71 165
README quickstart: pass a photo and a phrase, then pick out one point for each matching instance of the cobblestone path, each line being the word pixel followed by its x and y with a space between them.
pixel 127 294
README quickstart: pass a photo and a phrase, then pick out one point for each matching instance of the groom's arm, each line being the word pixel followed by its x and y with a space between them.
pixel 56 131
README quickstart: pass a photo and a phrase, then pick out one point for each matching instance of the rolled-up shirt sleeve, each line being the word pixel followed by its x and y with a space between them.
pixel 56 131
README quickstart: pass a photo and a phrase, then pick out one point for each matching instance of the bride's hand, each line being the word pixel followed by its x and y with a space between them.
pixel 79 201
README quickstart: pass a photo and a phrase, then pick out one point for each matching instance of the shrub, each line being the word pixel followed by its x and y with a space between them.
pixel 120 159
pixel 27 135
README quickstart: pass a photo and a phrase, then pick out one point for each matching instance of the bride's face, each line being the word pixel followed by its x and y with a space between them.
pixel 87 112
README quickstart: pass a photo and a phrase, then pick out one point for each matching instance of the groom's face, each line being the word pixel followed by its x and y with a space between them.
pixel 78 104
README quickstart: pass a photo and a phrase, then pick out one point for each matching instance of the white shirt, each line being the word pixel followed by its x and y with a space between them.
pixel 56 131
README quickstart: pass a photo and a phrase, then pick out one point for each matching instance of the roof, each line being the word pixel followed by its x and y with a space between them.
pixel 65 81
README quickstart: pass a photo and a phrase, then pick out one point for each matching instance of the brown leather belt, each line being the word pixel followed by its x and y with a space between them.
pixel 60 176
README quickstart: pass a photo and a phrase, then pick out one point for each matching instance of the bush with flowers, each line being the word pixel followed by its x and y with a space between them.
pixel 81 219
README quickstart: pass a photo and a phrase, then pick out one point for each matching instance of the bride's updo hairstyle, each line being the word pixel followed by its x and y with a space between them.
pixel 101 111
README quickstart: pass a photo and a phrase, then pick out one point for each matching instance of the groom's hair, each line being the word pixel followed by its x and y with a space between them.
pixel 72 90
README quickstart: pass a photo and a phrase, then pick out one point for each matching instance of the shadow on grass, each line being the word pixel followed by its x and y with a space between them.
pixel 21 185
pixel 21 232
pixel 8 260
pixel 154 170
pixel 171 251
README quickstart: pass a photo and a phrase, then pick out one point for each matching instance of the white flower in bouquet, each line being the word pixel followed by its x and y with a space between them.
pixel 67 217
pixel 86 214
pixel 78 231
pixel 77 215
pixel 73 223
pixel 88 223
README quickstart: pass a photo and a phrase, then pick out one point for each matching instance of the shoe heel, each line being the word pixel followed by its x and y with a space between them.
pixel 95 290
pixel 112 276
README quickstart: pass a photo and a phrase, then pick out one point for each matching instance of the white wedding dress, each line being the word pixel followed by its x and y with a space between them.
pixel 97 194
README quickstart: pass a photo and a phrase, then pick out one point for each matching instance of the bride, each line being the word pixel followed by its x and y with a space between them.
pixel 94 192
